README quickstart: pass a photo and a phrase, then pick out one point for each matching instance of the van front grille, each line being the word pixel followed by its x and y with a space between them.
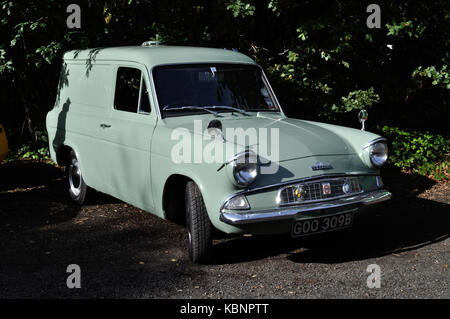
pixel 318 190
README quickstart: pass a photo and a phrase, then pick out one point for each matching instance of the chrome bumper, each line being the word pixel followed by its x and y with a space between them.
pixel 364 199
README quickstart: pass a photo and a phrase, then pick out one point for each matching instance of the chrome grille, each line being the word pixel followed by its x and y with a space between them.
pixel 314 191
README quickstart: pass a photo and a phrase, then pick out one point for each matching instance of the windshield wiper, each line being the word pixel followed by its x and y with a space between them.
pixel 227 108
pixel 189 107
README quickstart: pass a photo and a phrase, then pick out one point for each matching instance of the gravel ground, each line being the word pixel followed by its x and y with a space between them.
pixel 124 252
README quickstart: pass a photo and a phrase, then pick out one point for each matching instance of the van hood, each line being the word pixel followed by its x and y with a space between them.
pixel 291 138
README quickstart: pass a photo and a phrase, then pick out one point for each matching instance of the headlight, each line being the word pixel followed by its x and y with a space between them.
pixel 378 153
pixel 244 168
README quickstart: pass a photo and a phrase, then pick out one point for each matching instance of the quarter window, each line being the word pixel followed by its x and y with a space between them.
pixel 144 103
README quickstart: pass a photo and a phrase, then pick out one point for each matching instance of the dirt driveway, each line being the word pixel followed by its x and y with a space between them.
pixel 126 253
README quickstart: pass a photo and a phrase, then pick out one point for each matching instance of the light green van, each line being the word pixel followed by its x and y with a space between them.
pixel 197 136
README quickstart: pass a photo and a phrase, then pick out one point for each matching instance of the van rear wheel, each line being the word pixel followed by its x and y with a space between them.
pixel 199 226
pixel 77 186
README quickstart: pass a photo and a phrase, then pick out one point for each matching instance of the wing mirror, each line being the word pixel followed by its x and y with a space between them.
pixel 363 116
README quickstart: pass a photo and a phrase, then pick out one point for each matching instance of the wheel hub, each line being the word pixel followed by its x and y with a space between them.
pixel 75 178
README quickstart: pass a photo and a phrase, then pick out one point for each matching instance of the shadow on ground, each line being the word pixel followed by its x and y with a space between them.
pixel 30 195
pixel 27 174
pixel 123 251
pixel 402 224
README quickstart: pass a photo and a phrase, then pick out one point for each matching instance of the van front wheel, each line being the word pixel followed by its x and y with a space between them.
pixel 199 226
pixel 77 186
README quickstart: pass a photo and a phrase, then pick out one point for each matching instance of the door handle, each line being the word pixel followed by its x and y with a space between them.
pixel 104 125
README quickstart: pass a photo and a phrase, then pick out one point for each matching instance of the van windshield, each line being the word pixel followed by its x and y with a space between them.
pixel 187 89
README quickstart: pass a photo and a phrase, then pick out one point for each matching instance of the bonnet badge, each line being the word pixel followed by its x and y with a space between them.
pixel 321 166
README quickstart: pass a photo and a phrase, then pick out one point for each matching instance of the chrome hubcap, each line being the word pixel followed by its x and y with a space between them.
pixel 75 178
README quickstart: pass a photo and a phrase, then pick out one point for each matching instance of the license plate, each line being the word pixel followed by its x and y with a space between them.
pixel 322 224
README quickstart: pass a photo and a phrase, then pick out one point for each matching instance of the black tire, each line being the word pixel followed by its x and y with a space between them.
pixel 198 225
pixel 77 186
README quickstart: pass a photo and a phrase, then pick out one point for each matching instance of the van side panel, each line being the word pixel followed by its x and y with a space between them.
pixel 83 100
pixel 125 151
pixel 87 85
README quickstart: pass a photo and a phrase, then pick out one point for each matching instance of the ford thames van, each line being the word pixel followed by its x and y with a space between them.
pixel 196 135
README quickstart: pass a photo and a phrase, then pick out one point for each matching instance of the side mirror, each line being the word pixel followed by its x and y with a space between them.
pixel 363 116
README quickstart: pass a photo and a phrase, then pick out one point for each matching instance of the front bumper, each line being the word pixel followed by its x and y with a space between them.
pixel 295 212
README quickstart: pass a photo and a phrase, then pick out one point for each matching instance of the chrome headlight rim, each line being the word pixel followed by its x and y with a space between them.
pixel 239 163
pixel 378 151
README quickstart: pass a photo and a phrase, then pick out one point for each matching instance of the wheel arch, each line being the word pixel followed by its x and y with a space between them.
pixel 63 155
pixel 174 185
pixel 174 209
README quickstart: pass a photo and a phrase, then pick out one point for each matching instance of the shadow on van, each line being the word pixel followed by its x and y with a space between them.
pixel 60 135
pixel 63 81
pixel 92 54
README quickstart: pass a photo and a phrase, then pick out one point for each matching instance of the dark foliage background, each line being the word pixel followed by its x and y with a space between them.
pixel 324 62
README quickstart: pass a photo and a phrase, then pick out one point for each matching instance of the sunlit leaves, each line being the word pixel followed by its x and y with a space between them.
pixel 437 76
pixel 50 51
pixel 357 100
pixel 405 28
pixel 240 8
pixel 6 65
pixel 420 152
pixel 302 33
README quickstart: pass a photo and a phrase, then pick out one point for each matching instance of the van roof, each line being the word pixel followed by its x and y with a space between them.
pixel 158 55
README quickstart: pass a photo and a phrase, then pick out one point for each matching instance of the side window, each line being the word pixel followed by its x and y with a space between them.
pixel 130 91
pixel 145 103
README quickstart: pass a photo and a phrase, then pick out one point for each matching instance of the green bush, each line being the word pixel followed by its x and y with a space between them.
pixel 424 153
pixel 357 100
pixel 35 150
